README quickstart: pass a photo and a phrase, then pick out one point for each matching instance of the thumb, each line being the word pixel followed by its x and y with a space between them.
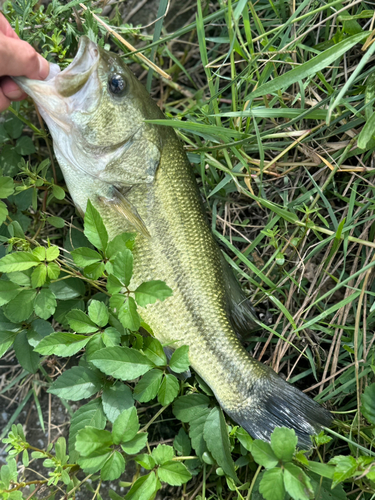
pixel 18 58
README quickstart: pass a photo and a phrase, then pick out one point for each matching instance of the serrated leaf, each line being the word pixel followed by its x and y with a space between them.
pixel 121 362
pixel 182 444
pixel 145 460
pixel 92 464
pixel 153 349
pixel 45 303
pixel 77 383
pixel 119 242
pixel 39 276
pixel 94 271
pixel 116 398
pixel 18 261
pixel 346 466
pixel 179 361
pixel 8 291
pixel 93 441
pixel 122 265
pixel 151 291
pixel 144 488
pixel 113 467
pixel 368 403
pixel 94 228
pixel 263 454
pixel 283 443
pixel 136 444
pixel 111 337
pixel 216 436
pixel 98 313
pixel 6 340
pixel 21 307
pixel 125 426
pixel 296 483
pixel 53 270
pixel 69 288
pixel 38 331
pixel 80 322
pixel 186 408
pixel 28 359
pixel 271 485
pixel 162 453
pixel 129 316
pixel 62 344
pixel 3 212
pixel 6 187
pixel 148 387
pixel 174 473
pixel 169 389
pixel 84 256
pixel 40 253
pixel 89 415
pixel 114 285
pixel 52 253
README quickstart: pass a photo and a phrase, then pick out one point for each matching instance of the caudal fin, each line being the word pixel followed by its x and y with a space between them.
pixel 275 403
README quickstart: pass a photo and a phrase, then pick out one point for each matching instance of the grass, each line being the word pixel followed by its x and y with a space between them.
pixel 270 101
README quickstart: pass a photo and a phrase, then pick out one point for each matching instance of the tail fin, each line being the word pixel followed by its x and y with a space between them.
pixel 275 403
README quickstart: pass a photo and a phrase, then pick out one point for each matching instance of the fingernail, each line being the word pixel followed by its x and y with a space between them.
pixel 43 67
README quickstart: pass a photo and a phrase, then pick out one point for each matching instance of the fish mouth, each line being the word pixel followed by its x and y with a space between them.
pixel 59 95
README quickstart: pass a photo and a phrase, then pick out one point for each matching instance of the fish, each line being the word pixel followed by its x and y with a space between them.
pixel 137 175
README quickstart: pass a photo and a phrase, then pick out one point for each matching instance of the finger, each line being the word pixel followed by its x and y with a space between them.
pixel 6 28
pixel 4 102
pixel 18 58
pixel 11 90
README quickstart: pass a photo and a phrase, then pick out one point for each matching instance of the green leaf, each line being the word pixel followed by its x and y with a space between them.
pixel 93 441
pixel 94 271
pixel 68 288
pixel 263 454
pixel 151 291
pixel 98 313
pixel 58 192
pixel 310 67
pixel 116 398
pixel 169 390
pixel 85 256
pixel 174 473
pixel 148 387
pixel 77 383
pixel 3 212
pixel 125 426
pixel 367 132
pixel 216 436
pixel 14 127
pixel 8 291
pixel 111 337
pixel 186 408
pixel 89 415
pixel 21 307
pixel 324 470
pixel 53 270
pixel 144 488
pixel 6 340
pixel 119 242
pixel 368 403
pixel 56 222
pixel 182 444
pixel 62 344
pixel 136 444
pixel 179 361
pixel 121 362
pixel 114 285
pixel 271 485
pixel 95 230
pixel 39 276
pixel 162 453
pixel 52 253
pixel 80 322
pixel 129 316
pixel 93 464
pixel 244 438
pixel 113 467
pixel 18 261
pixel 346 466
pixel 122 266
pixel 6 187
pixel 145 460
pixel 153 349
pixel 296 483
pixel 28 359
pixel 283 443
pixel 25 146
pixel 40 253
pixel 39 329
pixel 45 303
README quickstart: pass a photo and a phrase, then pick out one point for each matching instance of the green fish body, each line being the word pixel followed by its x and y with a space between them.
pixel 138 177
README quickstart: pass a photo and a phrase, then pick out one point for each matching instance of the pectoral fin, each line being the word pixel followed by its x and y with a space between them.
pixel 127 210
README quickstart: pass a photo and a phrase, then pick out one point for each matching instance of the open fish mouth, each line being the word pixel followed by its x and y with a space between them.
pixel 61 93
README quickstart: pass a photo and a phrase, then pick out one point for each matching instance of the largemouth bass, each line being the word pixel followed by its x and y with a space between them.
pixel 138 177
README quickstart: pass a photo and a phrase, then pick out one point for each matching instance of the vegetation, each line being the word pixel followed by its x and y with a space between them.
pixel 275 104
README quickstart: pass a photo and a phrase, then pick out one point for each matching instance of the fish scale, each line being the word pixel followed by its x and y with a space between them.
pixel 138 176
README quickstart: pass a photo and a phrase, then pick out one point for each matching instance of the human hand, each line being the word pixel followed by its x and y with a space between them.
pixel 17 58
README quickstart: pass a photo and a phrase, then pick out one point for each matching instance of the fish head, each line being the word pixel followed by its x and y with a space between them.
pixel 96 110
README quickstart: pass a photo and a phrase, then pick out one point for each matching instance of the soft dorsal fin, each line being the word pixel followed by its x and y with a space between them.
pixel 122 206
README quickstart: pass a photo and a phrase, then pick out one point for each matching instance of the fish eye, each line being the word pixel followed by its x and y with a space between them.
pixel 117 84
